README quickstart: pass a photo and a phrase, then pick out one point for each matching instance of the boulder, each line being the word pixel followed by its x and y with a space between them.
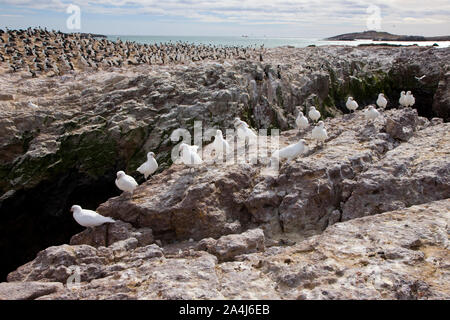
pixel 28 290
pixel 107 234
pixel 401 125
pixel 227 247
pixel 402 254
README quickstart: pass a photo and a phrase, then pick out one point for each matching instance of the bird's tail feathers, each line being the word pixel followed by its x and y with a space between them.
pixel 108 219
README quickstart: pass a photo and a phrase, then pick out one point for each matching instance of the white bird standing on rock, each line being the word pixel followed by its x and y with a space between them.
pixel 244 131
pixel 150 166
pixel 89 218
pixel 319 132
pixel 189 155
pixel 238 122
pixel 221 145
pixel 301 121
pixel 313 114
pixel 351 104
pixel 290 152
pixel 32 105
pixel 371 113
pixel 125 182
pixel 403 101
pixel 409 99
pixel 382 101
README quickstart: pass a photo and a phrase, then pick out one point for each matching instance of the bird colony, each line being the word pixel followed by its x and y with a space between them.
pixel 190 157
pixel 50 53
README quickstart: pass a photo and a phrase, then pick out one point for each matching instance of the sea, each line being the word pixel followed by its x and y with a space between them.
pixel 259 41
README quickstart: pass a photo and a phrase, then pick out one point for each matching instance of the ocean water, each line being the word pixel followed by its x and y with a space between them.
pixel 259 41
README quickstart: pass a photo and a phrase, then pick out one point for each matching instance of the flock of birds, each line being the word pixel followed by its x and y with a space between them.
pixel 189 154
pixel 52 53
pixel 40 51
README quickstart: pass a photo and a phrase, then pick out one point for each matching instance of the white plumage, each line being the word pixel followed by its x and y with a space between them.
pixel 351 104
pixel 319 132
pixel 302 122
pixel 290 152
pixel 313 114
pixel 150 166
pixel 420 78
pixel 238 122
pixel 382 101
pixel 243 131
pixel 189 155
pixel 32 105
pixel 221 146
pixel 371 113
pixel 403 100
pixel 89 218
pixel 409 99
pixel 125 182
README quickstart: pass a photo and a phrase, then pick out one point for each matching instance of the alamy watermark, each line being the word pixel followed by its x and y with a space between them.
pixel 73 22
pixel 75 279
pixel 240 146
pixel 373 21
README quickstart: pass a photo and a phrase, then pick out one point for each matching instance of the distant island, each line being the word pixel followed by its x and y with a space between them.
pixel 384 36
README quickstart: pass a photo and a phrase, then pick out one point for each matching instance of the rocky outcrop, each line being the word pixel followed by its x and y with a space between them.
pixel 108 234
pixel 228 247
pixel 28 290
pixel 396 255
pixel 401 126
pixel 88 126
pixel 415 172
pixel 441 103
pixel 365 216
pixel 364 169
pixel 109 120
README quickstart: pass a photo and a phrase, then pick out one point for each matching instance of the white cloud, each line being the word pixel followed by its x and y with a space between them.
pixel 351 13
pixel 11 15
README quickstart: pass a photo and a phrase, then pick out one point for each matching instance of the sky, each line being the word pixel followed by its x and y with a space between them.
pixel 258 18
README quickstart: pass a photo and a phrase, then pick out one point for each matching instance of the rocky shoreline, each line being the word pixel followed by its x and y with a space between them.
pixel 364 217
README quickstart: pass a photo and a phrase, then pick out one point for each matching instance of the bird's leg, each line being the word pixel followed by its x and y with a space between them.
pixel 107 235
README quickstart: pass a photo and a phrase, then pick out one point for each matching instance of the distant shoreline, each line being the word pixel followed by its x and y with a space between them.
pixel 384 36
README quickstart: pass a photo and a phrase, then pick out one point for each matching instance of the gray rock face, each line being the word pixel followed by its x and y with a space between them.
pixel 415 172
pixel 230 246
pixel 28 290
pixel 401 254
pixel 312 206
pixel 88 263
pixel 108 234
pixel 363 169
pixel 184 205
pixel 402 125
pixel 441 104
pixel 134 110
pixel 385 189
